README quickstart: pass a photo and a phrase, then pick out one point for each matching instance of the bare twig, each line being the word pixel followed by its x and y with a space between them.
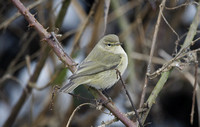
pixel 62 13
pixel 77 108
pixel 122 10
pixel 26 91
pixel 194 92
pixel 67 34
pixel 28 63
pixel 79 9
pixel 127 114
pixel 162 5
pixel 178 38
pixel 105 17
pixel 10 20
pixel 182 5
pixel 129 97
pixel 83 26
pixel 53 94
pixel 183 52
pixel 144 57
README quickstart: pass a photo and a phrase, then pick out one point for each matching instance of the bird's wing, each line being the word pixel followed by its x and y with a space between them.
pixel 90 68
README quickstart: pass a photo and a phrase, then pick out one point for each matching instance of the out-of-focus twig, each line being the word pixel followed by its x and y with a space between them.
pixel 122 10
pixel 77 108
pixel 194 91
pixel 82 27
pixel 12 66
pixel 144 57
pixel 11 19
pixel 178 38
pixel 26 91
pixel 182 5
pixel 79 9
pixel 100 22
pixel 162 5
pixel 62 13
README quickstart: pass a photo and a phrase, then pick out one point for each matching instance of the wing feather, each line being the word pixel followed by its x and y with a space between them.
pixel 90 68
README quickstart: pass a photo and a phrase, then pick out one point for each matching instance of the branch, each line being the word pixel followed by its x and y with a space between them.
pixel 129 97
pixel 45 35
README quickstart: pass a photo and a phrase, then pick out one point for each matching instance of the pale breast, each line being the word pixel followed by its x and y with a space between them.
pixel 124 63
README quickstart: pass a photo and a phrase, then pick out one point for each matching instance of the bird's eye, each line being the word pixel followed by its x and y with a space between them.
pixel 109 45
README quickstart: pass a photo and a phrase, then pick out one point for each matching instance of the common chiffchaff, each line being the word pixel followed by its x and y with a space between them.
pixel 98 69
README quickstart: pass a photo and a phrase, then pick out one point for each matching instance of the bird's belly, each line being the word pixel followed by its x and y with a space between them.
pixel 103 80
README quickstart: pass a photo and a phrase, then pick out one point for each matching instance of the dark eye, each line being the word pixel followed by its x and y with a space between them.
pixel 109 45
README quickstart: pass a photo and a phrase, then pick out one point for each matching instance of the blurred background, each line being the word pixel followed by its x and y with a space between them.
pixel 27 60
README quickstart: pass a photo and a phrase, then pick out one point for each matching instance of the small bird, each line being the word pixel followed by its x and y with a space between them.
pixel 98 69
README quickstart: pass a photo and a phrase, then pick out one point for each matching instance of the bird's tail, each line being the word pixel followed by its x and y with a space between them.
pixel 69 87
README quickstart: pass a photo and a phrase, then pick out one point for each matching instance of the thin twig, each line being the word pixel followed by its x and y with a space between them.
pixel 122 10
pixel 194 91
pixel 53 94
pixel 177 43
pixel 178 38
pixel 129 97
pixel 106 9
pixel 179 55
pixel 83 27
pixel 62 13
pixel 182 5
pixel 79 10
pixel 77 108
pixel 11 19
pixel 162 5
pixel 28 64
pixel 132 113
pixel 144 57
pixel 27 90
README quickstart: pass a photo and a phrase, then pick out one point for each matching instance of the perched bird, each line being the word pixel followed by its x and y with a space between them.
pixel 98 69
